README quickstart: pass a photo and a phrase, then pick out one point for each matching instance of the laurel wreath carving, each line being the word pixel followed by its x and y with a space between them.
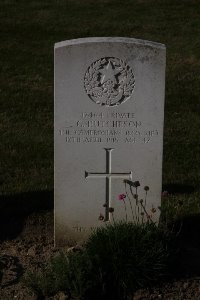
pixel 107 93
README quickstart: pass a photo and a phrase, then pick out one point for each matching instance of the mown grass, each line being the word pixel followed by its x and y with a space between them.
pixel 29 30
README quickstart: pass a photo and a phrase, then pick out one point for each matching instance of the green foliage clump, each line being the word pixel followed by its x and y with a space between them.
pixel 67 273
pixel 115 261
pixel 129 256
pixel 48 281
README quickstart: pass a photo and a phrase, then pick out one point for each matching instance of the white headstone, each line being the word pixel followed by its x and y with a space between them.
pixel 109 113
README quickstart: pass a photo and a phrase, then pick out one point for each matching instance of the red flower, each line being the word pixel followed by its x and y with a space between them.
pixel 121 196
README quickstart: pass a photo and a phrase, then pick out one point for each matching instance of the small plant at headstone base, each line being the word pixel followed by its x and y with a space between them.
pixel 127 256
pixel 171 211
pixel 143 220
pixel 170 214
pixel 117 259
pixel 138 208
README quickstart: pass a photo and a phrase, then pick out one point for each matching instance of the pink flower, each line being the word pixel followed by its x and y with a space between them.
pixel 121 196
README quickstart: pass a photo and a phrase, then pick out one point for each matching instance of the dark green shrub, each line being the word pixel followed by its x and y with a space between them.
pixel 127 256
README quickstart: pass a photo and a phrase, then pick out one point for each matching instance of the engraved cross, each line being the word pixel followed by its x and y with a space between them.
pixel 108 175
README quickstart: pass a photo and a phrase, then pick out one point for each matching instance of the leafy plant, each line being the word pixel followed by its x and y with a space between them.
pixel 128 256
pixel 67 273
pixel 51 279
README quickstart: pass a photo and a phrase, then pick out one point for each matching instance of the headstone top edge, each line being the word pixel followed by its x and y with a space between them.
pixel 111 40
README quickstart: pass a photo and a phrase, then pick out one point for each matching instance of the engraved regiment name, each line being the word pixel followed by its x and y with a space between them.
pixel 93 127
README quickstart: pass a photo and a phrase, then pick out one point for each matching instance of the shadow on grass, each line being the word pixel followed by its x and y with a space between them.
pixel 14 209
pixel 178 188
pixel 189 245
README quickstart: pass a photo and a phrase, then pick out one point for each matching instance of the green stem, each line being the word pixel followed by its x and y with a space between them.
pixel 125 210
pixel 145 199
pixel 135 203
pixel 129 202
pixel 146 212
pixel 113 217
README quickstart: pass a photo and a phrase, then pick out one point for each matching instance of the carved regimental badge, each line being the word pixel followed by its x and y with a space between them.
pixel 109 81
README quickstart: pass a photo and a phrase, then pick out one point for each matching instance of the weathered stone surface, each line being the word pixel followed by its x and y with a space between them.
pixel 109 112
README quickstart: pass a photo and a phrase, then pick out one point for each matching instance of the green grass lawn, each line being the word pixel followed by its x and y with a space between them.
pixel 29 30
